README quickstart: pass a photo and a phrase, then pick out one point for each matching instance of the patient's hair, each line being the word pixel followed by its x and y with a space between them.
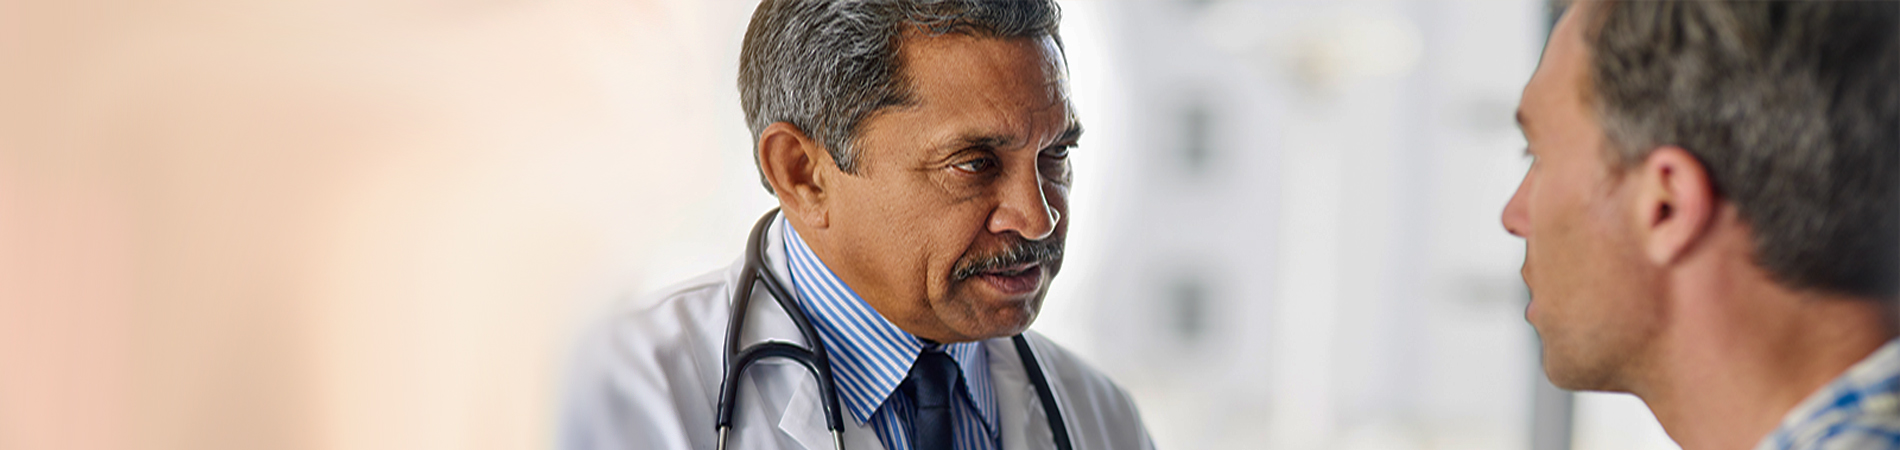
pixel 825 66
pixel 1791 106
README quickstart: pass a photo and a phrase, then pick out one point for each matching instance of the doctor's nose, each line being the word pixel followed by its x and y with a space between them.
pixel 1025 209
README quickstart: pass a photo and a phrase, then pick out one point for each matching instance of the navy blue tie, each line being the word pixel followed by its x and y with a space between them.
pixel 932 387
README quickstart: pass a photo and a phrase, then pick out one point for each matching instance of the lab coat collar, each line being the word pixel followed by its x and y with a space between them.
pixel 1019 412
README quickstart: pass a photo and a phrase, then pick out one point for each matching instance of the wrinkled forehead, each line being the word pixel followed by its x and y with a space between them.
pixel 964 71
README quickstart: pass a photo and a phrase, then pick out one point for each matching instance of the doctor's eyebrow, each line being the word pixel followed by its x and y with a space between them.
pixel 984 141
pixel 1069 136
pixel 996 141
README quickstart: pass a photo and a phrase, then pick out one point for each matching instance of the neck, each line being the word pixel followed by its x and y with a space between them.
pixel 1742 351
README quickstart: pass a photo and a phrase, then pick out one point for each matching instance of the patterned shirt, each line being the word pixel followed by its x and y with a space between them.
pixel 870 357
pixel 1858 410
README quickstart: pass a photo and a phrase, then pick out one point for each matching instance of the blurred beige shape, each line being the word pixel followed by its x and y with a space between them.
pixel 310 224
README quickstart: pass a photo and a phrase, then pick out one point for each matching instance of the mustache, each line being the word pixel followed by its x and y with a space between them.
pixel 1022 251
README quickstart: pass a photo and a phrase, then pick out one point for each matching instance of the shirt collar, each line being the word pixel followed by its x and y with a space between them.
pixel 1850 394
pixel 870 356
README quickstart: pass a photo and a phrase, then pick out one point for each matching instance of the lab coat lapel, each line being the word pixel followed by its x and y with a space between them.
pixel 808 429
pixel 1019 411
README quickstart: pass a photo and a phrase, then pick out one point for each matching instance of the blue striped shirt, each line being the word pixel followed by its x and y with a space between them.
pixel 1858 410
pixel 870 356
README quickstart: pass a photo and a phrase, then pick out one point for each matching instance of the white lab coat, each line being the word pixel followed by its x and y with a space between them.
pixel 649 376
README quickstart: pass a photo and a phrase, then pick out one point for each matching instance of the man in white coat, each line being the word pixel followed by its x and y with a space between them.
pixel 919 152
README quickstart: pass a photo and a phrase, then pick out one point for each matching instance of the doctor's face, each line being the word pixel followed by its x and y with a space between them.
pixel 953 226
pixel 1592 299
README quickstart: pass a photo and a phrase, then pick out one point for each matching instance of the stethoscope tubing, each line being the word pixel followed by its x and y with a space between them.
pixel 813 357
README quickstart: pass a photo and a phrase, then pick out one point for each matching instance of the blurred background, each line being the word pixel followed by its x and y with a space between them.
pixel 379 224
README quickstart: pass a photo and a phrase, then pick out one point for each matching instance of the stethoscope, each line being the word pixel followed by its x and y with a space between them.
pixel 814 357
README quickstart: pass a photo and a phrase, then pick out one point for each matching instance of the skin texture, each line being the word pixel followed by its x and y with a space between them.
pixel 1642 276
pixel 974 166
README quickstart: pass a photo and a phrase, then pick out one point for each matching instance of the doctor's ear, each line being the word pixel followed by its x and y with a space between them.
pixel 796 166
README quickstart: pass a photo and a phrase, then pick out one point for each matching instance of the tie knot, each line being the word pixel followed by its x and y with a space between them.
pixel 932 379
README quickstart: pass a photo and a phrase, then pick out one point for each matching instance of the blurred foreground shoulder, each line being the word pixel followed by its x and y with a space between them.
pixel 647 374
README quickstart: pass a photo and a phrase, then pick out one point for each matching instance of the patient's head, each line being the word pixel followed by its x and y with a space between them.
pixel 1686 146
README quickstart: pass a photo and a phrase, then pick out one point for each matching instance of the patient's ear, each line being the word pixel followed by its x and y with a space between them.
pixel 796 167
pixel 1675 203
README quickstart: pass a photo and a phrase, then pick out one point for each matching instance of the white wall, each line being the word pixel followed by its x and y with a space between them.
pixel 1330 274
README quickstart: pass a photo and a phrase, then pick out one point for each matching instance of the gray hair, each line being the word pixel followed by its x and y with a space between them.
pixel 1792 107
pixel 825 66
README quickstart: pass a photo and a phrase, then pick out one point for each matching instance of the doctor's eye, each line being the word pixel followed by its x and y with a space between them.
pixel 1058 152
pixel 978 165
pixel 1054 162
